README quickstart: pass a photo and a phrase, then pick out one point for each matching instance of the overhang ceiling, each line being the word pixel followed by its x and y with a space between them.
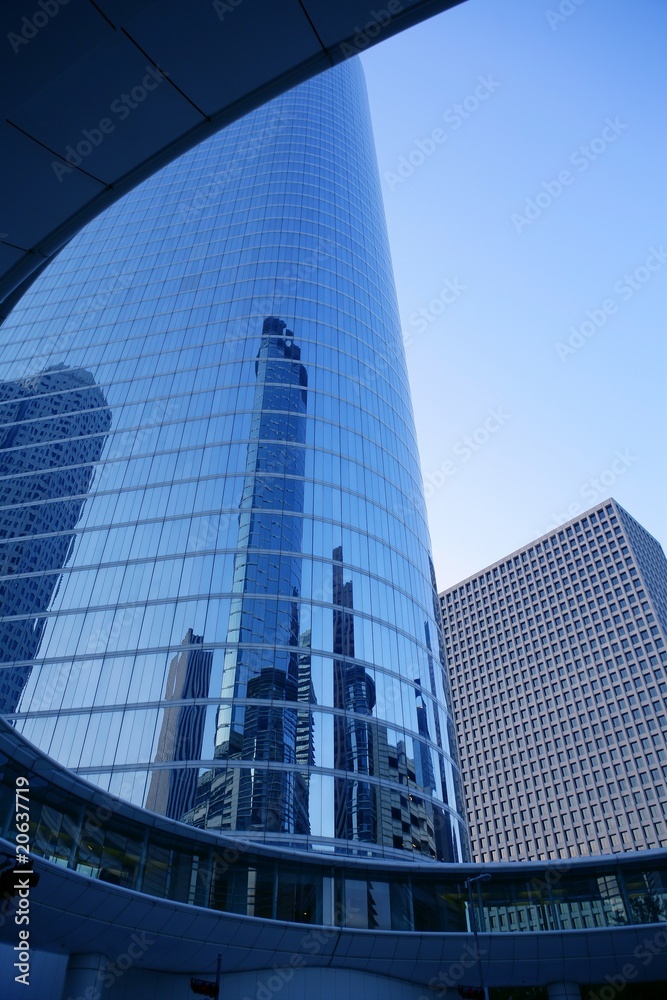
pixel 99 95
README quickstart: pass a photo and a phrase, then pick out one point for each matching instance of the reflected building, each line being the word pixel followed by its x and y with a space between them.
pixel 355 800
pixel 368 805
pixel 53 427
pixel 265 666
pixel 425 775
pixel 261 488
pixel 305 726
pixel 172 790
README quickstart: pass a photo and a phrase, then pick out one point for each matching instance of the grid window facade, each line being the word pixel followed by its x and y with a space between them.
pixel 558 665
pixel 244 631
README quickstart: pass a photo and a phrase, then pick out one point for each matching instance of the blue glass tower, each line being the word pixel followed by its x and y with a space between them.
pixel 263 640
pixel 257 492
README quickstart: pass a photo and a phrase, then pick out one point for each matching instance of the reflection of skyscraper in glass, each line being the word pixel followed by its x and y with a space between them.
pixel 230 483
pixel 52 429
pixel 264 661
pixel 364 746
pixel 172 790
pixel 425 775
pixel 305 727
pixel 354 695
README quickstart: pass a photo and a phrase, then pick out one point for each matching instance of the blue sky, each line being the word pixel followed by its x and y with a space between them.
pixel 537 362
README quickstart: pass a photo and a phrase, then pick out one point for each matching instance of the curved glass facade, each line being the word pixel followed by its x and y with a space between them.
pixel 241 628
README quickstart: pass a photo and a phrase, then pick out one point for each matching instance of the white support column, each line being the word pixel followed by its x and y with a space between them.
pixel 84 976
pixel 564 991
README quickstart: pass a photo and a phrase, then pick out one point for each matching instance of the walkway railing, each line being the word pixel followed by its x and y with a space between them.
pixel 74 824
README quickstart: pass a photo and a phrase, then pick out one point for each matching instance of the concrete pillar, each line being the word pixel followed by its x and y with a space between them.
pixel 564 991
pixel 84 976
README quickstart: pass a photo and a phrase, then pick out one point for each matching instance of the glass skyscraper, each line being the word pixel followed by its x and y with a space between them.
pixel 241 628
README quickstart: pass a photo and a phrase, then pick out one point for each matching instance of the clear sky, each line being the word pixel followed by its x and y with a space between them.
pixel 566 111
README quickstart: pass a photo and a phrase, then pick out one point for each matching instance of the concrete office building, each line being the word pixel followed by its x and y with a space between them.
pixel 557 660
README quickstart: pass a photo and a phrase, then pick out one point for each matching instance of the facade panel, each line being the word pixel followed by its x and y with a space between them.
pixel 245 634
pixel 558 665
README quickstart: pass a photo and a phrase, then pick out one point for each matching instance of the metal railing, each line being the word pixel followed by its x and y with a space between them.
pixel 75 824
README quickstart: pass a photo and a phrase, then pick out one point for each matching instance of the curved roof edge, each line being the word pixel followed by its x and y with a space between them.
pixel 97 97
